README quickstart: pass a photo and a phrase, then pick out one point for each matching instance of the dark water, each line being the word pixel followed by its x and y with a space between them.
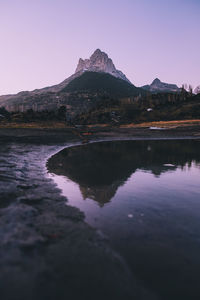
pixel 145 196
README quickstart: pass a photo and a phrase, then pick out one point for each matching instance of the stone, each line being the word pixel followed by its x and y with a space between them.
pixel 99 62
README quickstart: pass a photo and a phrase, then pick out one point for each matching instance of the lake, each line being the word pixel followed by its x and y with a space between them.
pixel 145 197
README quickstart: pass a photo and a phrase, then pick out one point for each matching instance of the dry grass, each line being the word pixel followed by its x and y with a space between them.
pixel 34 125
pixel 98 125
pixel 164 124
pixel 60 125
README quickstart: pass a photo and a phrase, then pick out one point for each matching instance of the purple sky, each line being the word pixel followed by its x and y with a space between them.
pixel 42 40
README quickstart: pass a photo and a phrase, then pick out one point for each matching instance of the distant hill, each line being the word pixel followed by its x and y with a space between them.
pixel 158 86
pixel 102 83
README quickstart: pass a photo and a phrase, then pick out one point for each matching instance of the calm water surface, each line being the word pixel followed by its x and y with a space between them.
pixel 145 196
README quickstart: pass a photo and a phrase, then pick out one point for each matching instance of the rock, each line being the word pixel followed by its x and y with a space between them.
pixel 99 62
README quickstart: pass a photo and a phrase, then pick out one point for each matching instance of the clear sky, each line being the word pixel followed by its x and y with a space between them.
pixel 42 40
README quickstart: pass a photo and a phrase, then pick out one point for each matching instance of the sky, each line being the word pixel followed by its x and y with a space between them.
pixel 42 40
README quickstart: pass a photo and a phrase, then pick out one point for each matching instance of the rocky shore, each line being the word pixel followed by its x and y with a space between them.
pixel 47 251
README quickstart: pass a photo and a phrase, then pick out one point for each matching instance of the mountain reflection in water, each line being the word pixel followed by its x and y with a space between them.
pixel 101 168
pixel 145 196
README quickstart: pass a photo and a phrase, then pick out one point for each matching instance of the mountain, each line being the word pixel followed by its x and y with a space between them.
pixel 158 86
pixel 100 62
pixel 95 79
pixel 102 83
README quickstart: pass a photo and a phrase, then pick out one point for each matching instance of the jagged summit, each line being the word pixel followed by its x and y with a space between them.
pixel 157 86
pixel 99 62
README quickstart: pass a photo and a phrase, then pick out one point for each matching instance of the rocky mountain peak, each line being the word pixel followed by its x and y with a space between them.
pixel 98 54
pixel 99 62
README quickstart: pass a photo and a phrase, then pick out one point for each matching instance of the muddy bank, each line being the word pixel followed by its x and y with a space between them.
pixel 47 251
pixel 62 135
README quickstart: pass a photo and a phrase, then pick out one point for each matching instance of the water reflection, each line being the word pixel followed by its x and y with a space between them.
pixel 100 169
pixel 144 195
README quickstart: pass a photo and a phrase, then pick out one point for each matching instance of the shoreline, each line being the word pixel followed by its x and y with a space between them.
pixel 62 135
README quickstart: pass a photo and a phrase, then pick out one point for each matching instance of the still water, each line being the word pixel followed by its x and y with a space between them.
pixel 145 197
